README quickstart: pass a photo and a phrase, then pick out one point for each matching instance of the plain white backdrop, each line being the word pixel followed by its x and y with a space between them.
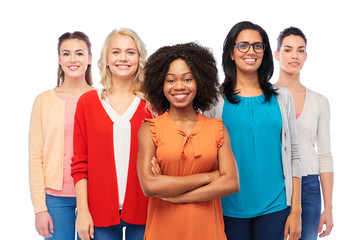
pixel 28 66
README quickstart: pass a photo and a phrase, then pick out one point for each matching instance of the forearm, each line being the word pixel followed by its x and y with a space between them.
pixel 81 189
pixel 296 196
pixel 327 189
pixel 221 187
pixel 163 186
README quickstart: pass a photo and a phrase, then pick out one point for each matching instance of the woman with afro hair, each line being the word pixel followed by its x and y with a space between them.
pixel 185 163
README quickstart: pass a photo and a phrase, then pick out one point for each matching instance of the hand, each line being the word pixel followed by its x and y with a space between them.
pixel 326 219
pixel 84 225
pixel 44 223
pixel 293 227
pixel 155 168
pixel 214 175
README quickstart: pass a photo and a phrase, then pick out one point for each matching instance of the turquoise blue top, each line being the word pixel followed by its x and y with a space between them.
pixel 255 128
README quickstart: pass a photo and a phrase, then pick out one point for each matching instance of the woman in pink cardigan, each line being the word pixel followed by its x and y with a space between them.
pixel 51 140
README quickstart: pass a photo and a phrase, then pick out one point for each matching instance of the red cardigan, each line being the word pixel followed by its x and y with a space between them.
pixel 94 159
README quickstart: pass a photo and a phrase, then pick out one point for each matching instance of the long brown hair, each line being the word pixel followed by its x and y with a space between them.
pixel 81 36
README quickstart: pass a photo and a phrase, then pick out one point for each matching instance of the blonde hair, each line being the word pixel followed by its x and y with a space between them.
pixel 106 75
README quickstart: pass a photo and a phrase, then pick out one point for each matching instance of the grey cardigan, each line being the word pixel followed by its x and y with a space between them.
pixel 290 152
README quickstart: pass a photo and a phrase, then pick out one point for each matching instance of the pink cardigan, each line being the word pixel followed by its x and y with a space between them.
pixel 46 147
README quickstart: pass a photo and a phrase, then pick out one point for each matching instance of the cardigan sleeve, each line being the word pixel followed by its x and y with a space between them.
pixel 36 145
pixel 79 165
pixel 323 139
pixel 295 157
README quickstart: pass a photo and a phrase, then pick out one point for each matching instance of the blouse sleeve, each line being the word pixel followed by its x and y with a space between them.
pixel 153 130
pixel 220 133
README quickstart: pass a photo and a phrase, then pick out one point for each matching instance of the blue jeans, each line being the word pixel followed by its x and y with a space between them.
pixel 269 226
pixel 63 213
pixel 132 232
pixel 311 207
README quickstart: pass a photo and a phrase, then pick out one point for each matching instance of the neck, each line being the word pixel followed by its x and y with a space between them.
pixel 247 80
pixel 182 113
pixel 74 85
pixel 122 87
pixel 290 81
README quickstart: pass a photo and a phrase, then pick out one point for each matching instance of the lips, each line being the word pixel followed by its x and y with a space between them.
pixel 180 96
pixel 122 66
pixel 250 60
pixel 294 64
pixel 73 67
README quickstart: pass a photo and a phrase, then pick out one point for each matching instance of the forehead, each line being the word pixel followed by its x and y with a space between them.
pixel 249 35
pixel 73 44
pixel 122 41
pixel 293 40
pixel 178 66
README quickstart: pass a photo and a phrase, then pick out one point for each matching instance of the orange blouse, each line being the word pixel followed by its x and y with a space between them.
pixel 180 154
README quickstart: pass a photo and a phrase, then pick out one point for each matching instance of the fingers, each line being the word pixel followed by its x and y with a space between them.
pixel 156 170
pixel 51 225
pixel 91 231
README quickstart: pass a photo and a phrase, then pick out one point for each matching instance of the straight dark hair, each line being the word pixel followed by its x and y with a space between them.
pixel 81 36
pixel 265 71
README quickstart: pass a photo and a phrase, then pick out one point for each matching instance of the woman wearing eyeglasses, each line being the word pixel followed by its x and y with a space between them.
pixel 312 113
pixel 260 118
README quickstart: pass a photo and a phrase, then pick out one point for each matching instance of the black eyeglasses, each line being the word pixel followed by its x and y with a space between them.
pixel 244 47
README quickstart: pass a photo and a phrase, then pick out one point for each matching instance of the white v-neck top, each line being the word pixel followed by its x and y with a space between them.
pixel 314 135
pixel 121 141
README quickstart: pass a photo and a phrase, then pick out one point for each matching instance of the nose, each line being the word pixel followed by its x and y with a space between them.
pixel 123 57
pixel 179 85
pixel 295 54
pixel 251 50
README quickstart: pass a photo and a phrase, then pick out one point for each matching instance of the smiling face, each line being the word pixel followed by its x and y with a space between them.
pixel 74 58
pixel 122 57
pixel 292 54
pixel 250 61
pixel 180 86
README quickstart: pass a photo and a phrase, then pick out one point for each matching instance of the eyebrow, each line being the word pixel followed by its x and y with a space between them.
pixel 182 74
pixel 292 47
pixel 78 50
pixel 121 49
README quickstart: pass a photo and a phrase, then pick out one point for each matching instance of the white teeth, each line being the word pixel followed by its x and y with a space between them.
pixel 122 66
pixel 250 60
pixel 180 96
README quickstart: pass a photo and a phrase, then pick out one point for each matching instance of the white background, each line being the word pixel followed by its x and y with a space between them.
pixel 28 66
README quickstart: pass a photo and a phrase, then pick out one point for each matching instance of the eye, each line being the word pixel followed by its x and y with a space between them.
pixel 80 54
pixel 302 51
pixel 170 81
pixel 131 52
pixel 65 54
pixel 115 52
pixel 258 46
pixel 243 45
pixel 287 50
pixel 188 80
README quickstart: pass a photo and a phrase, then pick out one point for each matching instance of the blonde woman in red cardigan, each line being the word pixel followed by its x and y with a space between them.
pixel 109 196
pixel 51 140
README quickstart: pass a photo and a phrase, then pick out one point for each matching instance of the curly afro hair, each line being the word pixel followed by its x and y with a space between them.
pixel 202 65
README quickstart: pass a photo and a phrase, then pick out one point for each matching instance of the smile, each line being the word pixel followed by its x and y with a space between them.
pixel 73 67
pixel 180 96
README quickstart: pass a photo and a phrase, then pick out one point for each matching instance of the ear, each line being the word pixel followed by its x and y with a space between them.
pixel 232 56
pixel 90 59
pixel 276 55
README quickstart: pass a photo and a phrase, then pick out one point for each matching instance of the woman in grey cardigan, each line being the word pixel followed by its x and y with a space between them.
pixel 312 113
pixel 260 119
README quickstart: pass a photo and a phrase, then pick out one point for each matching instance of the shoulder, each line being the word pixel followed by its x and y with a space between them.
pixel 89 96
pixel 317 97
pixel 283 91
pixel 216 110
